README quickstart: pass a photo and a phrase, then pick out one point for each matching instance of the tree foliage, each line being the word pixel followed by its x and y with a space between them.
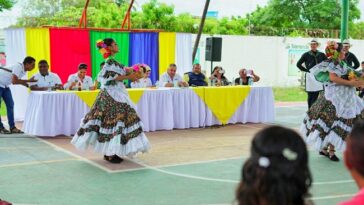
pixel 320 18
pixel 302 15
pixel 6 4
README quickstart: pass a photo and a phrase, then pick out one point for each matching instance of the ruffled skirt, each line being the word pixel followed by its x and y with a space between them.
pixel 331 118
pixel 112 127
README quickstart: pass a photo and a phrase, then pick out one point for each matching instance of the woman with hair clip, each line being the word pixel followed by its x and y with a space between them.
pixel 331 117
pixel 112 125
pixel 277 172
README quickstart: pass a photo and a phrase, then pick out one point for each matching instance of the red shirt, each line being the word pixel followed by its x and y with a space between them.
pixel 358 199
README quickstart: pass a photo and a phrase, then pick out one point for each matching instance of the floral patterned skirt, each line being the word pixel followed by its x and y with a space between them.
pixel 322 126
pixel 112 127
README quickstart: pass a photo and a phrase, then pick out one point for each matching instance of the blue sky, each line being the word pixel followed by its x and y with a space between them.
pixel 195 7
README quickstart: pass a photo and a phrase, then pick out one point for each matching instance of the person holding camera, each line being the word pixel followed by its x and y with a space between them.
pixel 247 77
pixel 217 77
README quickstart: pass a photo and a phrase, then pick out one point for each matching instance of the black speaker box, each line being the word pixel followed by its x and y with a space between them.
pixel 213 49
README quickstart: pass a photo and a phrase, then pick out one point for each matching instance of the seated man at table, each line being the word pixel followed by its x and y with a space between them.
pixel 46 80
pixel 79 80
pixel 171 78
pixel 247 77
pixel 196 78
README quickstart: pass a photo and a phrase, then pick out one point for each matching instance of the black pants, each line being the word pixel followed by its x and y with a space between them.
pixel 311 98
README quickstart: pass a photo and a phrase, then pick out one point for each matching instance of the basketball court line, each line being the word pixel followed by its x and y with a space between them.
pixel 334 182
pixel 133 160
pixel 22 204
pixel 26 147
pixel 74 155
pixel 38 162
pixel 250 126
pixel 332 197
pixel 13 136
pixel 176 164
pixel 158 169
pixel 145 166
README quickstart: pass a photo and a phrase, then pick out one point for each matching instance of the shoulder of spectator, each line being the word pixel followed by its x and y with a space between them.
pixel 35 76
pixel 186 77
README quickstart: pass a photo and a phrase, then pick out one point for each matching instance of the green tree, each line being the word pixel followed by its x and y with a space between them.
pixel 356 30
pixel 121 2
pixel 68 12
pixel 303 14
pixel 233 26
pixel 6 4
pixel 48 8
pixel 278 18
pixel 186 23
pixel 155 15
pixel 108 16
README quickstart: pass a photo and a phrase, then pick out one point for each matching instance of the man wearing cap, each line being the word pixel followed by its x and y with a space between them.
pixel 350 59
pixel 79 80
pixel 310 59
pixel 45 80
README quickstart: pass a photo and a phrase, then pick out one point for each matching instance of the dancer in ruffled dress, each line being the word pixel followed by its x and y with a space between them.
pixel 330 119
pixel 112 126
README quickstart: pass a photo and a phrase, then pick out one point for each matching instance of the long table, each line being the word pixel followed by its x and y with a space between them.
pixel 60 113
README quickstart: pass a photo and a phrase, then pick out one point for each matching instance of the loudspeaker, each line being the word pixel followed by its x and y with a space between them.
pixel 213 49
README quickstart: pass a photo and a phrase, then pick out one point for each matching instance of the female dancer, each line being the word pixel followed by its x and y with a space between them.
pixel 112 126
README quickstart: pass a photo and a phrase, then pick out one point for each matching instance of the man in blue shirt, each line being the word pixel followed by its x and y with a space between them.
pixel 196 78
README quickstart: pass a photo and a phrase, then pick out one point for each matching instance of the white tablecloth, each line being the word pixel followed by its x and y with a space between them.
pixel 60 113
pixel 53 113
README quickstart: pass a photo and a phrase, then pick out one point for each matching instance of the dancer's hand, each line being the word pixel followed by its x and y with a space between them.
pixel 133 77
pixel 356 83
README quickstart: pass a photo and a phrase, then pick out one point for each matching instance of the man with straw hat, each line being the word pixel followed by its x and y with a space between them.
pixel 310 59
pixel 350 59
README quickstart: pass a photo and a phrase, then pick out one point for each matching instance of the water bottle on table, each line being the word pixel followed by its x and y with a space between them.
pixel 250 81
pixel 213 82
pixel 175 84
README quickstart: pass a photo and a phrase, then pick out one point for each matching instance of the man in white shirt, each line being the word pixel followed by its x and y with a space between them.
pixel 79 80
pixel 46 80
pixel 12 75
pixel 171 78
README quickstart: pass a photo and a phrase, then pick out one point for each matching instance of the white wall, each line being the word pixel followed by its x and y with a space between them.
pixel 267 56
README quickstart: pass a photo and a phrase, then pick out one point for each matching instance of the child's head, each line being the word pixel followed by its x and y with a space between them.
pixel 276 173
pixel 146 70
pixel 354 153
